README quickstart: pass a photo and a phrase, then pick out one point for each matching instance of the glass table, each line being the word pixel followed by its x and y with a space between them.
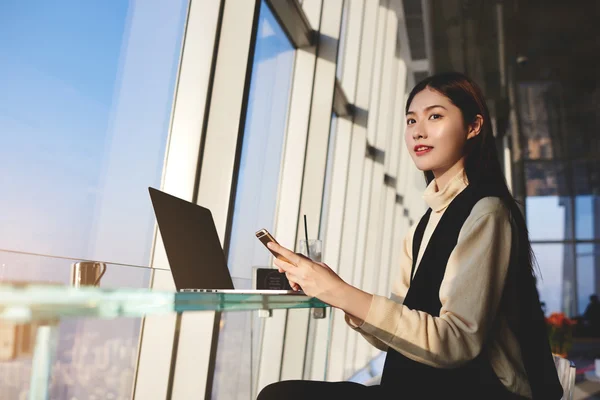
pixel 46 305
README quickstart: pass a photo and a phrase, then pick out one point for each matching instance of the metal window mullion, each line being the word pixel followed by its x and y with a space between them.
pixel 311 198
pixel 158 337
pixel 218 173
pixel 357 160
pixel 340 184
pixel 290 186
pixel 398 124
pixel 368 245
pixel 567 241
pixel 388 79
pixel 380 226
pixel 387 241
pixel 294 21
pixel 332 239
pixel 353 353
pixel 341 105
pixel 384 265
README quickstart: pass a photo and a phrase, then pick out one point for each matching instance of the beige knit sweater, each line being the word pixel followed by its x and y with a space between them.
pixel 470 295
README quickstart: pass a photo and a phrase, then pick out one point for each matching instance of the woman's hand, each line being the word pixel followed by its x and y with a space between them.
pixel 316 279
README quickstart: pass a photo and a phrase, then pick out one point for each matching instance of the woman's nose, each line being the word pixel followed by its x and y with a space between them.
pixel 418 133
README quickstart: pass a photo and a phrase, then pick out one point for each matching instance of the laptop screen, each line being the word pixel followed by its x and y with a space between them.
pixel 191 242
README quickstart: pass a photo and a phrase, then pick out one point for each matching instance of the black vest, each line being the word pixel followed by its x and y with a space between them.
pixel 476 379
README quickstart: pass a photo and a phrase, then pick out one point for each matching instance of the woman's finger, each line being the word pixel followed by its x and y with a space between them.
pixel 290 255
pixel 283 265
pixel 292 279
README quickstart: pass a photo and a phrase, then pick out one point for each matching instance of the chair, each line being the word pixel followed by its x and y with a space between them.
pixel 566 375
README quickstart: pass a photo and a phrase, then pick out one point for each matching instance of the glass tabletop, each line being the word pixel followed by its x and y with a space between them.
pixel 24 303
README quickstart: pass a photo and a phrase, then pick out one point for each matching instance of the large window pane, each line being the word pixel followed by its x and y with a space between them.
pixel 255 201
pixel 94 357
pixel 587 217
pixel 87 89
pixel 548 217
pixel 259 169
pixel 557 282
pixel 588 264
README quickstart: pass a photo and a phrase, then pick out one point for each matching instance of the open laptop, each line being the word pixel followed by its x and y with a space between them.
pixel 193 249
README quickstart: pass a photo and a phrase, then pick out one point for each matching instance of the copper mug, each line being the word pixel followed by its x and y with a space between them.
pixel 87 273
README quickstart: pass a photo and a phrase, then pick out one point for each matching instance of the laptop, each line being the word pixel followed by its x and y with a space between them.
pixel 193 248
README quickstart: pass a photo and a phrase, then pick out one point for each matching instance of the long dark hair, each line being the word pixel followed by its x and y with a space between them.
pixel 524 312
pixel 482 165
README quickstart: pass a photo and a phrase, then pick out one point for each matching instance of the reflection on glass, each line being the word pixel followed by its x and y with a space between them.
pixel 238 355
pixel 255 201
pixel 16 340
pixel 586 180
pixel 546 179
pixel 94 357
pixel 87 89
pixel 538 120
pixel 588 279
pixel 556 284
pixel 548 217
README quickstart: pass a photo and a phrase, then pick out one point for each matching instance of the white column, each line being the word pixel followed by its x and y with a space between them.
pixel 157 334
pixel 286 219
pixel 217 173
pixel 311 199
pixel 368 246
pixel 357 160
pixel 341 169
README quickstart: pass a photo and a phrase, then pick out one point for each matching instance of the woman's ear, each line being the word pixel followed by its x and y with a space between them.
pixel 475 127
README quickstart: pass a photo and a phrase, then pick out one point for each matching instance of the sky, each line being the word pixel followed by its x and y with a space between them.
pixel 87 89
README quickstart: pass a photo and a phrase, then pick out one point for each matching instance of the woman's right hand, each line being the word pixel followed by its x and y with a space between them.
pixel 293 285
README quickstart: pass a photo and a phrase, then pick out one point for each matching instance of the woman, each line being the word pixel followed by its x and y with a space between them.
pixel 466 320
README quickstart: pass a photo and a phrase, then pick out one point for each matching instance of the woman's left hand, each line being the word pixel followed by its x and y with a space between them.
pixel 316 279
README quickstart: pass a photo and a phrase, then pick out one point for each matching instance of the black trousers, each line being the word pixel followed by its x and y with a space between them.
pixel 316 390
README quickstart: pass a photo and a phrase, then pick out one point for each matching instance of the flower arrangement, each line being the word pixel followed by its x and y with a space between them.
pixel 560 333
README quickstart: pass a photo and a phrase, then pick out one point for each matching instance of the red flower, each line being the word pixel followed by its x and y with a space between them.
pixel 558 320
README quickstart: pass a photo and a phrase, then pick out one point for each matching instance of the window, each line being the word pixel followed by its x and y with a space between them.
pixel 587 217
pixel 588 257
pixel 540 226
pixel 85 105
pixel 557 283
pixel 255 201
pixel 85 108
pixel 259 168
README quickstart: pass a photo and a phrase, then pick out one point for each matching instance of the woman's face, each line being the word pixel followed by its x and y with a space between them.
pixel 435 132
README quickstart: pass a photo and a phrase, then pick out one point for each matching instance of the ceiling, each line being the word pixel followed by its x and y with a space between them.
pixel 552 49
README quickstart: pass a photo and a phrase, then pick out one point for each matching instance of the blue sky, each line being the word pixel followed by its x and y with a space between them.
pixel 87 89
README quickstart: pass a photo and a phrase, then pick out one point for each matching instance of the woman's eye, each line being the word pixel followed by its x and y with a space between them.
pixel 435 116
pixel 410 121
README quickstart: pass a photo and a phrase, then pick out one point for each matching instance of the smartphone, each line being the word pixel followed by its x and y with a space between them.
pixel 265 237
